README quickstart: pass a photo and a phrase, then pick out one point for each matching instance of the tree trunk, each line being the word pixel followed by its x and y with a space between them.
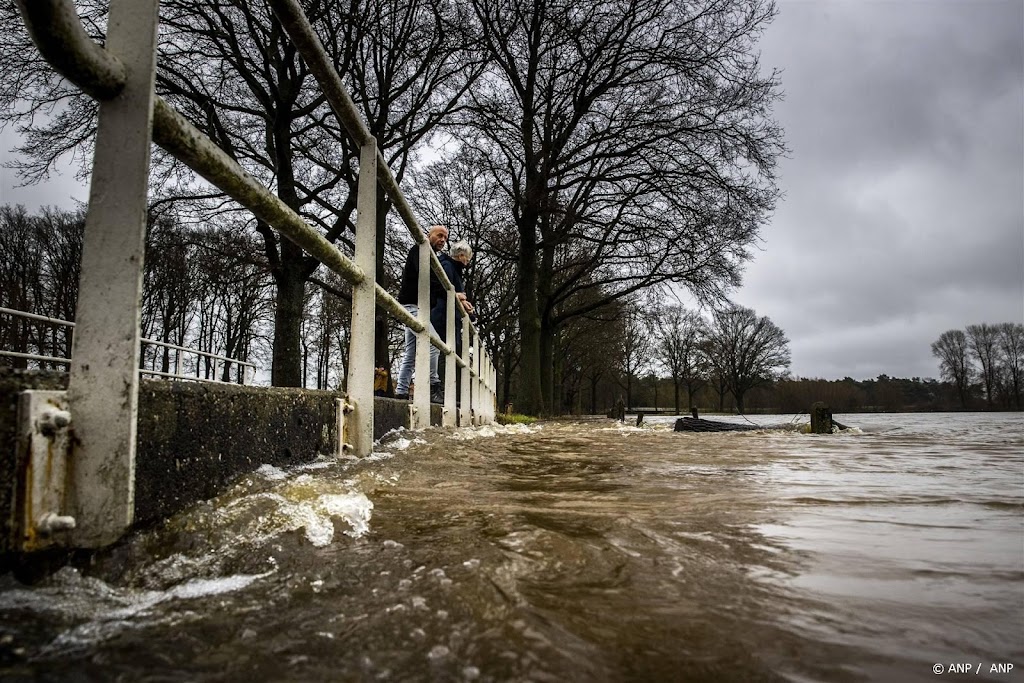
pixel 286 370
pixel 550 383
pixel 550 380
pixel 506 376
pixel 530 396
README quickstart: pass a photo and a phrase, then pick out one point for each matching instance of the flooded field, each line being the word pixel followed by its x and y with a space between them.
pixel 586 551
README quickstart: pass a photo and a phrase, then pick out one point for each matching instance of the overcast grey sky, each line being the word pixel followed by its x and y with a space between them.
pixel 903 213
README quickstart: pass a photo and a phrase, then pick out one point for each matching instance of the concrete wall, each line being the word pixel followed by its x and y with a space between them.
pixel 13 382
pixel 194 439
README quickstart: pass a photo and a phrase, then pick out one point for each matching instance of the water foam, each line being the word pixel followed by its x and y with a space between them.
pixel 492 430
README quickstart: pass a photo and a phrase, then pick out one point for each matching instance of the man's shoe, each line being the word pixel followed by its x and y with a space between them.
pixel 436 393
pixel 402 397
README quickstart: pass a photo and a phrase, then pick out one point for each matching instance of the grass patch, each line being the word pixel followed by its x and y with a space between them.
pixel 514 419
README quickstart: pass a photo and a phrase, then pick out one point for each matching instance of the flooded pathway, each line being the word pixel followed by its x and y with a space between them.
pixel 567 551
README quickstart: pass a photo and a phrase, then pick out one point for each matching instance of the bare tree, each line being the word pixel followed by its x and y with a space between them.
pixel 680 338
pixel 241 288
pixel 634 141
pixel 634 352
pixel 39 264
pixel 1011 345
pixel 749 350
pixel 951 348
pixel 982 340
pixel 230 70
pixel 21 264
pixel 588 346
pixel 170 282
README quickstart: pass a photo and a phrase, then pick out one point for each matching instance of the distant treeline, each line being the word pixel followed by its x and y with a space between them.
pixel 209 287
pixel 204 288
pixel 882 394
pixel 984 360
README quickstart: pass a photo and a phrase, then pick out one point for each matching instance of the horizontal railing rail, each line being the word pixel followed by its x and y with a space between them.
pixel 250 368
pixel 101 75
pixel 57 31
pixel 121 75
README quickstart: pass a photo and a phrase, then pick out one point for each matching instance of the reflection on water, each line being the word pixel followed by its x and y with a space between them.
pixel 568 551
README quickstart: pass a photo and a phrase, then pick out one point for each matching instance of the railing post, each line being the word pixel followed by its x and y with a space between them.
pixel 421 397
pixel 494 390
pixel 488 400
pixel 465 410
pixel 478 362
pixel 361 340
pixel 104 380
pixel 450 366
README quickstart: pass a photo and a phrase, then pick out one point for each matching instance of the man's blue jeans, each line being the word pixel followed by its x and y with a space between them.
pixel 408 365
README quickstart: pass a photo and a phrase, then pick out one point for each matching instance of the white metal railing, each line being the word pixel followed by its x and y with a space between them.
pixel 249 368
pixel 120 76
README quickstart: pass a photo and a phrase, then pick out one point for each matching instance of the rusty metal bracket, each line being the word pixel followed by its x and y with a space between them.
pixel 344 408
pixel 44 450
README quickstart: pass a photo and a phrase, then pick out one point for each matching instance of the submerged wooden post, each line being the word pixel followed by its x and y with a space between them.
pixel 821 418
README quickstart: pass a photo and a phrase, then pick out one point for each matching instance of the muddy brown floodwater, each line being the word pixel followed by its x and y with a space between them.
pixel 568 551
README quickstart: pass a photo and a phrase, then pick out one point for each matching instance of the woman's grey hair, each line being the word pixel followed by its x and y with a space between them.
pixel 461 248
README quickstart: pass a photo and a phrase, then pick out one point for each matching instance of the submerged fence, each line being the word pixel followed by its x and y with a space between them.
pixel 103 384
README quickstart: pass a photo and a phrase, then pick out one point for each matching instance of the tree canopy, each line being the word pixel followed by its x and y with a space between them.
pixel 596 152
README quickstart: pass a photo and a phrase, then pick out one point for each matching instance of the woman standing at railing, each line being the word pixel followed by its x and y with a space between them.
pixel 453 265
pixel 408 296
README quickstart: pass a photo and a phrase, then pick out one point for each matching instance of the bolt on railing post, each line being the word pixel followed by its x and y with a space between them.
pixel 465 410
pixel 103 385
pixel 421 397
pixel 450 366
pixel 361 339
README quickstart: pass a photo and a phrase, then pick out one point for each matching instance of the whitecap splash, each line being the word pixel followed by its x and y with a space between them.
pixel 270 472
pixel 261 517
pixel 492 430
pixel 354 508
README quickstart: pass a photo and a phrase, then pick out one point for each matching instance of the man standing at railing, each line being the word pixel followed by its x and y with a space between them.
pixel 408 296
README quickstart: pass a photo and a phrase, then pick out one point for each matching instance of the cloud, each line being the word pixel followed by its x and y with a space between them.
pixel 904 192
